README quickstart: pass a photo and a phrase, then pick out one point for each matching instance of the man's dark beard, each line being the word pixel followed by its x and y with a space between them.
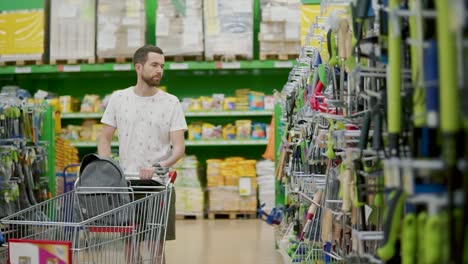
pixel 150 82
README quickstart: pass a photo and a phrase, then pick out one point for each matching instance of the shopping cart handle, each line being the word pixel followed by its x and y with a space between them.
pixel 172 176
pixel 136 176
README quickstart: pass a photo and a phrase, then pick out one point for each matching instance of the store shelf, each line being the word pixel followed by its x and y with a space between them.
pixel 201 143
pixel 245 142
pixel 108 67
pixel 231 113
pixel 89 144
pixel 188 114
pixel 80 115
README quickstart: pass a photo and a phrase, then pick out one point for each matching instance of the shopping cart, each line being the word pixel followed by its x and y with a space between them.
pixel 100 223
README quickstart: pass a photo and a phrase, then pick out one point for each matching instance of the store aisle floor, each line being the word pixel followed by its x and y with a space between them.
pixel 223 241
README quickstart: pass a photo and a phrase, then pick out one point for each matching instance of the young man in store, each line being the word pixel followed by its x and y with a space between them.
pixel 150 125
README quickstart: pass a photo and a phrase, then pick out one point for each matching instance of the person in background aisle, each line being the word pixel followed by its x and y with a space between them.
pixel 150 125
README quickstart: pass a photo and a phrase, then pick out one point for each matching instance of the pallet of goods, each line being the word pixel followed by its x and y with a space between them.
pixel 190 195
pixel 22 37
pixel 228 29
pixel 225 195
pixel 179 29
pixel 121 28
pixel 279 34
pixel 72 31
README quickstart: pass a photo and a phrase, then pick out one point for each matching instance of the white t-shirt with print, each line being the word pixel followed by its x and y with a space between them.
pixel 143 125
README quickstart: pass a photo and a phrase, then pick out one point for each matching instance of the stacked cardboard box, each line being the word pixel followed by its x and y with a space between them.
pixel 228 28
pixel 179 27
pixel 213 173
pixel 121 28
pixel 223 184
pixel 266 184
pixel 72 30
pixel 280 28
pixel 189 192
pixel 227 199
pixel 22 35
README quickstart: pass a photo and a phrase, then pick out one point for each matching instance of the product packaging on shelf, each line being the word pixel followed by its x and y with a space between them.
pixel 91 103
pixel 244 129
pixel 229 131
pixel 65 154
pixel 259 131
pixel 121 28
pixel 22 36
pixel 69 104
pixel 210 131
pixel 228 27
pixel 179 27
pixel 72 29
pixel 256 101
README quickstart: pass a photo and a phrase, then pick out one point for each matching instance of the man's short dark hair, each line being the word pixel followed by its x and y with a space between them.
pixel 141 54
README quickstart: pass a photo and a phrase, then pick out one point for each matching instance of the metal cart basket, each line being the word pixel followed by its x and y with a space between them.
pixel 104 225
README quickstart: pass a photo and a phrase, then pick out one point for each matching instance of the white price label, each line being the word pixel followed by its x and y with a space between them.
pixel 283 64
pixel 178 66
pixel 71 68
pixel 26 69
pixel 122 67
pixel 231 65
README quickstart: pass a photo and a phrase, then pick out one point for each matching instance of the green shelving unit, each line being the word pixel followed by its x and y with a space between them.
pixel 187 114
pixel 128 67
pixel 49 138
pixel 190 79
pixel 199 143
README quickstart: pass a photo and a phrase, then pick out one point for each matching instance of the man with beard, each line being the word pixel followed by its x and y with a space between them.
pixel 150 125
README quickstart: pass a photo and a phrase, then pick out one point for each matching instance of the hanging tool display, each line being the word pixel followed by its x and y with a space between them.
pixel 375 150
pixel 23 157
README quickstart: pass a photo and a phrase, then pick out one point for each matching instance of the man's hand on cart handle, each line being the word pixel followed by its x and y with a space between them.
pixel 147 173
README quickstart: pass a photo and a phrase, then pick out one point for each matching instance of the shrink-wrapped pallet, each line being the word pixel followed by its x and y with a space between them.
pixel 121 28
pixel 279 34
pixel 72 30
pixel 228 29
pixel 22 36
pixel 179 27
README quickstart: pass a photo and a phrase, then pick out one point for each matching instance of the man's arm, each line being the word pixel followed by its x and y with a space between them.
pixel 105 140
pixel 178 148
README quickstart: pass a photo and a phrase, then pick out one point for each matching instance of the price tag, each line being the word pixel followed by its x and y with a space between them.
pixel 71 68
pixel 231 65
pixel 25 69
pixel 283 64
pixel 122 67
pixel 178 66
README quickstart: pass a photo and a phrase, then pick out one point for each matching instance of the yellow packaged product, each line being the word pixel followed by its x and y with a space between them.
pixel 195 131
pixel 97 128
pixel 229 103
pixel 206 103
pixel 195 105
pixel 90 103
pixel 229 131
pixel 244 129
